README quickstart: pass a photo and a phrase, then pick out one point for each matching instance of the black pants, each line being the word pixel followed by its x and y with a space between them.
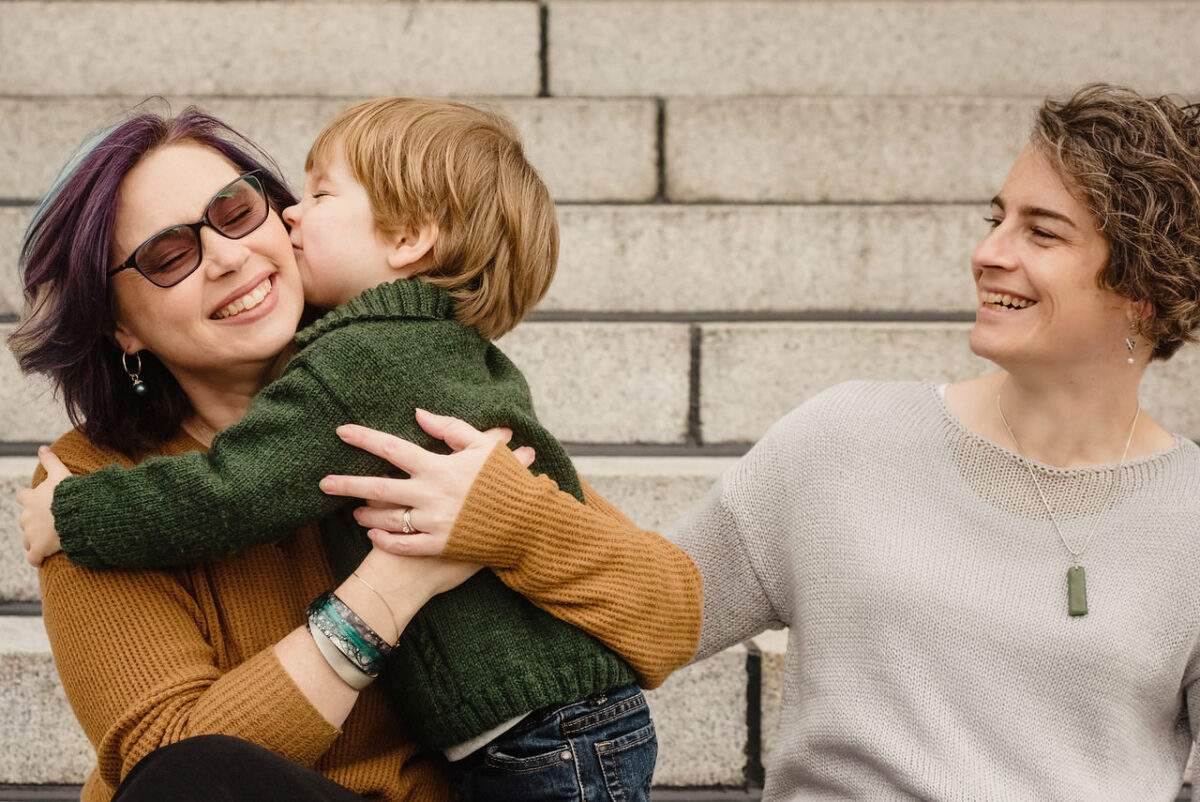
pixel 220 768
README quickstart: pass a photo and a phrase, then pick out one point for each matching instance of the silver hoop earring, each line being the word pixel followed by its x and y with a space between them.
pixel 139 387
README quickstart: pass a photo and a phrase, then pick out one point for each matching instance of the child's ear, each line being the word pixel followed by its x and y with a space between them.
pixel 410 248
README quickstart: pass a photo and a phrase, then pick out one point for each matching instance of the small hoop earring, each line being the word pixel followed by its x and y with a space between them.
pixel 139 387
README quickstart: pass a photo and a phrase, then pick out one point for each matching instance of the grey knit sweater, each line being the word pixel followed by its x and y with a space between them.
pixel 930 655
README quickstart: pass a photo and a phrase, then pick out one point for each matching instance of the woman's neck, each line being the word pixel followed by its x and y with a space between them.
pixel 1058 422
pixel 219 402
pixel 1067 425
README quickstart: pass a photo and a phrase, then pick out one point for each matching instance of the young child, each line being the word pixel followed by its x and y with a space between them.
pixel 426 228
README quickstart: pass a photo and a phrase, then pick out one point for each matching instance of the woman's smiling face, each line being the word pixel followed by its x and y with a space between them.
pixel 1035 273
pixel 233 315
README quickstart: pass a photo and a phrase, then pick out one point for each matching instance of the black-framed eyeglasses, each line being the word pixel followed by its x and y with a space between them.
pixel 173 254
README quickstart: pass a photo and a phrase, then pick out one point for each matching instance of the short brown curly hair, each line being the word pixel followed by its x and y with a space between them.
pixel 1135 162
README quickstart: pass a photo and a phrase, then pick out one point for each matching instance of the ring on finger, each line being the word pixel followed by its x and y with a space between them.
pixel 408 528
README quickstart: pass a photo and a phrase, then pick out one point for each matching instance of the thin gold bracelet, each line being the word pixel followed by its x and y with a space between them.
pixel 375 590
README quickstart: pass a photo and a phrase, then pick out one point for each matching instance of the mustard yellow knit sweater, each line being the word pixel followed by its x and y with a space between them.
pixel 148 658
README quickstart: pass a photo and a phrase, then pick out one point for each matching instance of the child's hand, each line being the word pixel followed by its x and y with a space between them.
pixel 414 516
pixel 37 522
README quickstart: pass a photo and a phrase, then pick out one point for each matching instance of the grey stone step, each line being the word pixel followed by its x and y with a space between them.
pixel 585 149
pixel 607 382
pixel 18 580
pixel 28 408
pixel 893 47
pixel 751 374
pixel 631 382
pixel 652 491
pixel 41 742
pixel 648 48
pixel 744 259
pixel 700 715
pixel 303 48
pixel 777 149
pixel 807 149
pixel 594 382
pixel 766 259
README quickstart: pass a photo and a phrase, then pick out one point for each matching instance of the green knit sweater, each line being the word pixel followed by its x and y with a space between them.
pixel 472 658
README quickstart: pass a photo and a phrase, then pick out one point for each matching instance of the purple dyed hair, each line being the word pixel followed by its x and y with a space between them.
pixel 65 258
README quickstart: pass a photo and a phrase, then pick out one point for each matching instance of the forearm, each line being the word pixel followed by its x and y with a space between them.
pixel 258 482
pixel 384 605
pixel 285 715
pixel 141 673
pixel 586 564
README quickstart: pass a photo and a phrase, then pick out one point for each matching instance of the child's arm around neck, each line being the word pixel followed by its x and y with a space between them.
pixel 257 483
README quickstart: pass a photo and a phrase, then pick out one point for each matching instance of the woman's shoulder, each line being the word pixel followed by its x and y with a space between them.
pixel 845 419
pixel 858 405
pixel 84 455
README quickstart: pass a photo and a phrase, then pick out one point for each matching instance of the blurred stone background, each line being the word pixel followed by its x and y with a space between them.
pixel 757 200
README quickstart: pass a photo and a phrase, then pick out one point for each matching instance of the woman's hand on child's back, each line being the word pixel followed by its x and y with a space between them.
pixel 39 536
pixel 414 516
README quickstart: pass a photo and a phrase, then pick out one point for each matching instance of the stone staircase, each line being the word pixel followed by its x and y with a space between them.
pixel 757 200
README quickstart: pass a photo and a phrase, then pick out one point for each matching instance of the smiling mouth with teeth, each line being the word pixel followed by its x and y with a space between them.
pixel 998 300
pixel 247 301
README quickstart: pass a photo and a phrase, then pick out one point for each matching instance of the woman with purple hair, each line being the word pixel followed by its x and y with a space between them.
pixel 158 334
pixel 150 658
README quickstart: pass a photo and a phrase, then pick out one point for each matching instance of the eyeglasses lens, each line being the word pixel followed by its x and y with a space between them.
pixel 173 253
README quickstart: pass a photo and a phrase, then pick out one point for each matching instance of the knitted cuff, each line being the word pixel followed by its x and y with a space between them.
pixel 505 502
pixel 72 529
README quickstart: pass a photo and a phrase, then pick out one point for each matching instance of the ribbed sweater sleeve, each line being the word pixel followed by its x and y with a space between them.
pixel 584 563
pixel 141 633
pixel 257 482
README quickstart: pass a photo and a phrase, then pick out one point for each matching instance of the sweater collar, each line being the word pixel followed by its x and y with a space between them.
pixel 403 298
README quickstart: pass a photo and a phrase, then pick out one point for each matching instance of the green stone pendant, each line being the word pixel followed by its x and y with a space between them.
pixel 1076 591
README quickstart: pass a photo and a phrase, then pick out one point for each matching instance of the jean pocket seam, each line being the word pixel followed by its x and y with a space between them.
pixel 609 755
pixel 499 760
pixel 626 741
pixel 605 715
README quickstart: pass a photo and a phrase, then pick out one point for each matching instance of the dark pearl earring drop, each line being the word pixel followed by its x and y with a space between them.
pixel 139 387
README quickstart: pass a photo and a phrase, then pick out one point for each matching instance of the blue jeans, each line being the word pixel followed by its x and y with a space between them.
pixel 601 749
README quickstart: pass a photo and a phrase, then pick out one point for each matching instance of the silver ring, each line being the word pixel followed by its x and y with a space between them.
pixel 408 528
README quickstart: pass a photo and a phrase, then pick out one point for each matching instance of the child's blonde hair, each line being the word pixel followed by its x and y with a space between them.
pixel 463 168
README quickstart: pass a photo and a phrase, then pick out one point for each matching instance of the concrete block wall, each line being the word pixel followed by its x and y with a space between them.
pixel 757 199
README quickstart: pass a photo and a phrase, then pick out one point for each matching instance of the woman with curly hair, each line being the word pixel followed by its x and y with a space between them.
pixel 992 586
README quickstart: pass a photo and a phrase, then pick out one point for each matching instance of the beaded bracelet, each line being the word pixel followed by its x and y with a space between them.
pixel 349 633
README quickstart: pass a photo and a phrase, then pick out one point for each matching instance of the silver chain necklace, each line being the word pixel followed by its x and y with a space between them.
pixel 1076 577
